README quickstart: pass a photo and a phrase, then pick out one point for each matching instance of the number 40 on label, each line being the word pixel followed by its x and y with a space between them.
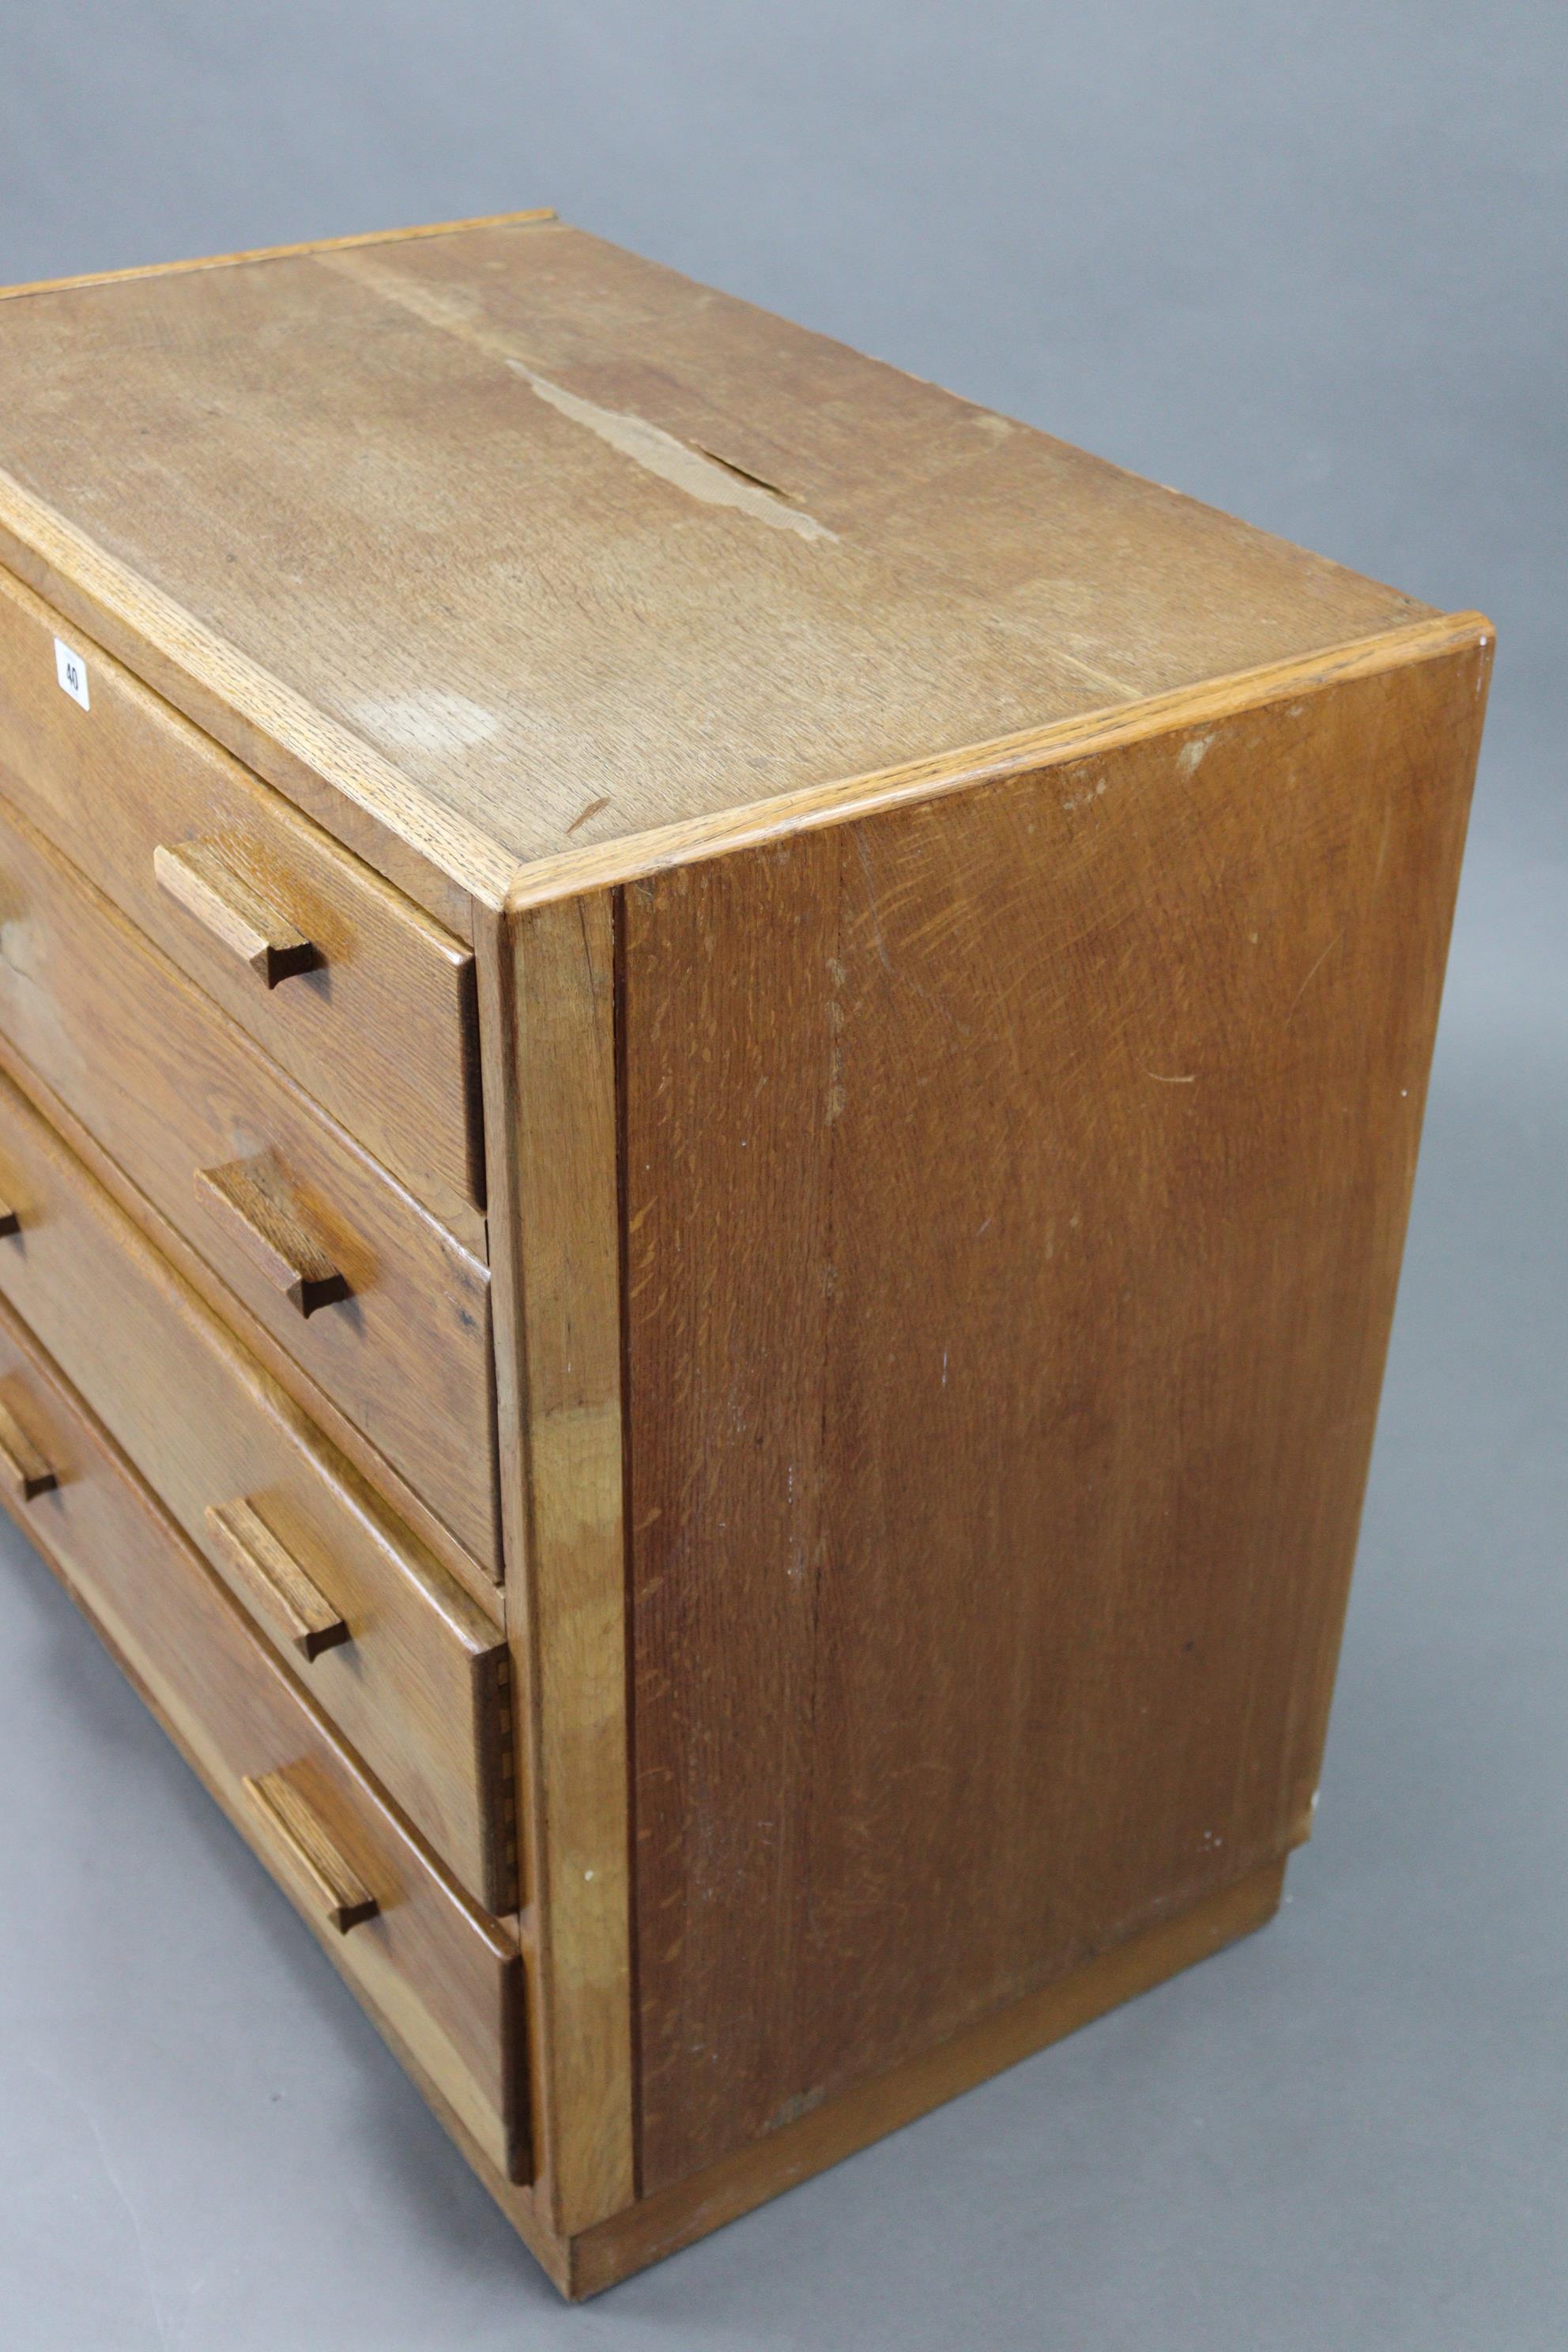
pixel 71 671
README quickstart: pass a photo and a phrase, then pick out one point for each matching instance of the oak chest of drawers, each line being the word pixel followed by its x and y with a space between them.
pixel 709 1068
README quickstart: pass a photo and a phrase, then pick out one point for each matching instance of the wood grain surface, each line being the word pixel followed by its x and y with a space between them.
pixel 205 881
pixel 380 1031
pixel 255 1203
pixel 533 511
pixel 421 1689
pixel 1092 734
pixel 548 1001
pixel 26 1473
pixel 274 1586
pixel 666 956
pixel 305 1854
pixel 373 1469
pixel 445 1980
pixel 659 2224
pixel 273 252
pixel 1016 1187
pixel 284 1206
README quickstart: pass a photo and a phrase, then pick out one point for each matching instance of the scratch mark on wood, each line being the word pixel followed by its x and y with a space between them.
pixel 1317 968
pixel 593 809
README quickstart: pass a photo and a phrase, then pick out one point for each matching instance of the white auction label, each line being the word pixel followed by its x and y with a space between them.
pixel 71 671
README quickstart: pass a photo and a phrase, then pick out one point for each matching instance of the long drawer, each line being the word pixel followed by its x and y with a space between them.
pixel 394 1651
pixel 348 986
pixel 363 1288
pixel 446 1981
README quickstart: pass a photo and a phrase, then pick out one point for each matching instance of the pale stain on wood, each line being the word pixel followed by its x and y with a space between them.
pixel 669 460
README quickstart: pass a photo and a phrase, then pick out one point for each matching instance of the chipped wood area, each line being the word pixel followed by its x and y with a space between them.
pixel 689 468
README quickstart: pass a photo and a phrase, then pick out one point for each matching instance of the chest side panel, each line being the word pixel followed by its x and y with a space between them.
pixel 1014 1191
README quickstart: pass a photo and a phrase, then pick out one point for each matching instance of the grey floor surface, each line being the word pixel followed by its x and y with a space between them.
pixel 1309 262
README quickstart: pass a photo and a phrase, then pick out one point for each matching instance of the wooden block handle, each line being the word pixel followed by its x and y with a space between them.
pixel 299 1841
pixel 233 911
pixel 297 1610
pixel 253 1200
pixel 22 1465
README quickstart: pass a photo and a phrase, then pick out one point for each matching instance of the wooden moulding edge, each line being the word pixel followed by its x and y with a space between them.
pixel 355 792
pixel 302 252
pixel 1088 735
pixel 673 2217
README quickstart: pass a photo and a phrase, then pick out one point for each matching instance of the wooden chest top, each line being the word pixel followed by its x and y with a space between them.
pixel 496 544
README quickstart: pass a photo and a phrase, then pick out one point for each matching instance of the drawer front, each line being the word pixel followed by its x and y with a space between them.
pixel 376 1021
pixel 444 1978
pixel 393 1652
pixel 360 1285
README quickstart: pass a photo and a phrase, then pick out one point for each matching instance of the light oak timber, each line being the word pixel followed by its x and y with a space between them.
pixel 422 1686
pixel 349 788
pixel 273 253
pixel 380 1030
pixel 459 691
pixel 375 1301
pixel 276 1586
pixel 502 1078
pixel 303 1850
pixel 553 1115
pixel 254 1200
pixel 24 1470
pixel 433 1972
pixel 1094 736
pixel 1081 1175
pixel 910 956
pixel 372 1468
pixel 200 878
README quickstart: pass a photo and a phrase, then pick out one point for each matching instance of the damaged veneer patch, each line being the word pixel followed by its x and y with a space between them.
pixel 715 480
pixel 711 479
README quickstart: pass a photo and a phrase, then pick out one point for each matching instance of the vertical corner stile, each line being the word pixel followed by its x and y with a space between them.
pixel 548 997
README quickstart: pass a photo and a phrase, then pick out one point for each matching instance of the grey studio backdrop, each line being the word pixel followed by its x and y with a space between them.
pixel 1307 263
